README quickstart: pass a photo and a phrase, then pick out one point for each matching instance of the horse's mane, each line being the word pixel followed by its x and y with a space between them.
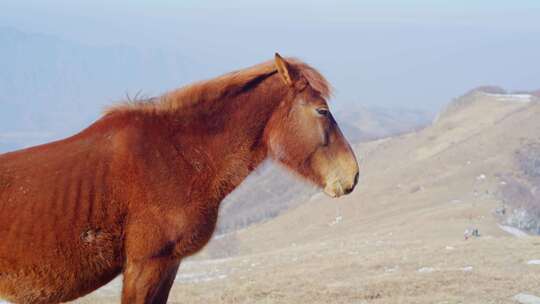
pixel 225 85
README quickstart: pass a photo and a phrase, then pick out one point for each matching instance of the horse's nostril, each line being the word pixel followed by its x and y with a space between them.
pixel 355 180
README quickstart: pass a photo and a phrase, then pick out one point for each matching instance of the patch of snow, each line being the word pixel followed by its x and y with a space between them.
pixel 481 177
pixel 467 268
pixel 524 298
pixel 336 221
pixel 512 97
pixel 426 269
pixel 199 277
pixel 391 269
pixel 533 262
pixel 112 288
pixel 205 262
pixel 513 231
pixel 449 248
pixel 316 196
pixel 470 232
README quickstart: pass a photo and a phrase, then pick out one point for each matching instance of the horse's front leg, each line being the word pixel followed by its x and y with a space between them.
pixel 149 281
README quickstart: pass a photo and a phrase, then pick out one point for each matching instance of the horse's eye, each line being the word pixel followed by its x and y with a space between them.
pixel 322 111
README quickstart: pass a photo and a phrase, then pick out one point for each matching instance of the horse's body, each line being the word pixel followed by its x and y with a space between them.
pixel 140 189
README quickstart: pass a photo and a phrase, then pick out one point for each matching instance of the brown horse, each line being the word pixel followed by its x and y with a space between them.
pixel 139 189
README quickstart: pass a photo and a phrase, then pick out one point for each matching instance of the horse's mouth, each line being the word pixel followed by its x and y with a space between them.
pixel 334 189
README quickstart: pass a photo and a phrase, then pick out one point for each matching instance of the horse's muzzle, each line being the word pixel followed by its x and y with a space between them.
pixel 339 187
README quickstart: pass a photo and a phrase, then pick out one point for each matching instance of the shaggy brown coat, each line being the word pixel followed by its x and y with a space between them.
pixel 140 188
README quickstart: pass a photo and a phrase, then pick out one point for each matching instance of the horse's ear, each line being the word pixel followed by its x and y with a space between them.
pixel 284 70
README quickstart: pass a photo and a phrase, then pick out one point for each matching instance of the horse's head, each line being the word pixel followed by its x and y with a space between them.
pixel 303 135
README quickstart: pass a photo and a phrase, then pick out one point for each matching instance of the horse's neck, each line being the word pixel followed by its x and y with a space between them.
pixel 238 148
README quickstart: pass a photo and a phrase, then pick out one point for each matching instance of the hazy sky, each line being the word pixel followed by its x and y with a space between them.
pixel 390 53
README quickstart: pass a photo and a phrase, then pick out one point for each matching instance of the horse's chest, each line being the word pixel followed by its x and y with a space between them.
pixel 197 233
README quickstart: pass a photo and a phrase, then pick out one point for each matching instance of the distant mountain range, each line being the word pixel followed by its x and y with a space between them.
pixel 52 87
pixel 360 123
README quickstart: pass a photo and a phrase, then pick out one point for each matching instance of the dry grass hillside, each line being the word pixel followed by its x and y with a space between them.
pixel 405 234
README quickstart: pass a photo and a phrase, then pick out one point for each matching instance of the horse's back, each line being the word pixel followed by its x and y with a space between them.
pixel 60 227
